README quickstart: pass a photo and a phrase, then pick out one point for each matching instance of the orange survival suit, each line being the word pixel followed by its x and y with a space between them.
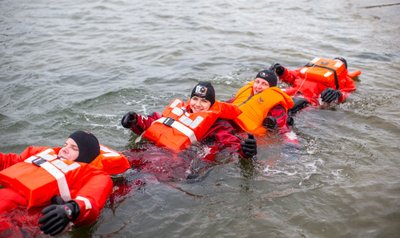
pixel 178 128
pixel 32 178
pixel 310 80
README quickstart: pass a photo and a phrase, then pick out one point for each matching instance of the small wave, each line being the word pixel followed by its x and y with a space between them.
pixel 301 169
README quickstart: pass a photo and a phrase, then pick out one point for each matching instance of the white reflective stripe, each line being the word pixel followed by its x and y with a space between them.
pixel 338 64
pixel 327 74
pixel 177 111
pixel 196 122
pixel 46 154
pixel 315 60
pixel 61 181
pixel 182 128
pixel 29 160
pixel 65 167
pixel 88 205
pixel 185 120
pixel 185 130
pixel 175 103
pixel 48 157
pixel 107 152
pixel 304 70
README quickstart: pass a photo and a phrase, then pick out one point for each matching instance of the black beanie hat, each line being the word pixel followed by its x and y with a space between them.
pixel 204 90
pixel 269 76
pixel 89 147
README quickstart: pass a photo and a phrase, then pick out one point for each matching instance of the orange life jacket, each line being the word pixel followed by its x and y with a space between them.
pixel 177 129
pixel 255 108
pixel 44 175
pixel 326 71
pixel 40 177
pixel 110 161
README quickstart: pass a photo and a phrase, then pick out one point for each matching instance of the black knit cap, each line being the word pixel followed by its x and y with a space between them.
pixel 204 90
pixel 269 76
pixel 89 147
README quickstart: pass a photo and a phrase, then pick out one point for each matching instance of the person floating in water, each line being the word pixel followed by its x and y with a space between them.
pixel 200 119
pixel 69 183
pixel 321 82
pixel 264 106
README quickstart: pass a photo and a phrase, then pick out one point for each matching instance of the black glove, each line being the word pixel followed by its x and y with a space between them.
pixel 278 68
pixel 299 103
pixel 270 123
pixel 329 95
pixel 290 121
pixel 129 119
pixel 249 146
pixel 57 200
pixel 56 217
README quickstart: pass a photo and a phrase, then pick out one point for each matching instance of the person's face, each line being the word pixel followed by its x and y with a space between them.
pixel 70 150
pixel 260 85
pixel 198 104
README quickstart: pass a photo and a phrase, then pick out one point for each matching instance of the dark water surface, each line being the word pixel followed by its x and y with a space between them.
pixel 68 65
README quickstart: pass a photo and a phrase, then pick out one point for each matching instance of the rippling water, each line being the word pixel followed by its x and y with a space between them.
pixel 67 65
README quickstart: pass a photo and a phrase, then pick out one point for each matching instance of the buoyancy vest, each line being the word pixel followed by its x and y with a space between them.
pixel 177 129
pixel 326 71
pixel 110 161
pixel 41 176
pixel 44 175
pixel 255 108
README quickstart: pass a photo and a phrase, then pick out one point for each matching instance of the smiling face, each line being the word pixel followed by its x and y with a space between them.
pixel 70 150
pixel 260 85
pixel 198 104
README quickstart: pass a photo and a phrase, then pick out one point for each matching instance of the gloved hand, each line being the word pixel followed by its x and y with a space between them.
pixel 330 95
pixel 56 217
pixel 290 121
pixel 129 119
pixel 249 146
pixel 278 68
pixel 57 200
pixel 299 103
pixel 270 123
